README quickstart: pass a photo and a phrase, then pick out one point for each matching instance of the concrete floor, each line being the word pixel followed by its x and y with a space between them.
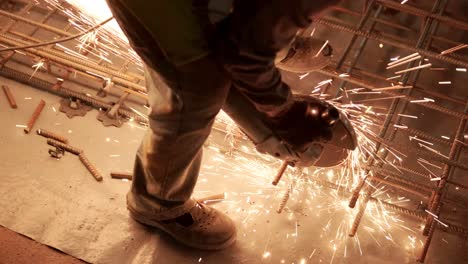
pixel 18 249
pixel 59 204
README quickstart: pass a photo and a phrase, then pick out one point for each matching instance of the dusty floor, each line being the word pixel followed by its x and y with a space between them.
pixel 58 203
pixel 18 249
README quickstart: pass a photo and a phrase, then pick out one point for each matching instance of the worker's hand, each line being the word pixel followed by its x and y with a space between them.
pixel 306 122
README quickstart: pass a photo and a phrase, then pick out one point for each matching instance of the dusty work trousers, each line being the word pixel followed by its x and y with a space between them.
pixel 184 101
pixel 168 160
pixel 187 86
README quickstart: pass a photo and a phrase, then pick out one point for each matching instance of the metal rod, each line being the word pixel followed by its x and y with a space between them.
pixel 435 205
pixel 402 187
pixel 75 63
pixel 423 13
pixel 23 11
pixel 362 45
pixel 398 208
pixel 392 42
pixel 34 116
pixel 407 149
pixel 212 198
pixel 393 107
pixel 361 24
pixel 362 83
pixel 391 24
pixel 280 173
pixel 9 96
pixel 115 108
pixel 34 23
pixel 362 209
pixel 64 146
pixel 6 58
pixel 366 75
pixel 121 175
pixel 51 135
pixel 66 93
pixel 284 200
pixel 90 167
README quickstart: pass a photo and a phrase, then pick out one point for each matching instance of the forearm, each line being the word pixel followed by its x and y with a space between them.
pixel 254 33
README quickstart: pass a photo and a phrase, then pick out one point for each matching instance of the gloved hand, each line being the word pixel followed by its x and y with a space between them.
pixel 308 120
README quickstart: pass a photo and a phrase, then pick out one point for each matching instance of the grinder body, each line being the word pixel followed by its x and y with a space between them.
pixel 319 154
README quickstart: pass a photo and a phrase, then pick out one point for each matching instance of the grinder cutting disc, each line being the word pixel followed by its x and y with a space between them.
pixel 334 151
pixel 252 123
pixel 338 148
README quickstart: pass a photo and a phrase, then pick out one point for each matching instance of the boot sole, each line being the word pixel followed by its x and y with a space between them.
pixel 152 223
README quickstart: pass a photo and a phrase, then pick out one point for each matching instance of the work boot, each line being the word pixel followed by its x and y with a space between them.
pixel 201 227
pixel 305 54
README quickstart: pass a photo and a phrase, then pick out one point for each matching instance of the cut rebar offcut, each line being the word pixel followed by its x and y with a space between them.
pixel 34 116
pixel 51 135
pixel 121 175
pixel 64 146
pixel 9 96
pixel 90 167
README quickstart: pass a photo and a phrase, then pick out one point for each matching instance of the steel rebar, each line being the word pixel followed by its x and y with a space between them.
pixel 121 175
pixel 64 92
pixel 392 109
pixel 435 203
pixel 64 146
pixel 401 45
pixel 34 116
pixel 9 96
pixel 90 167
pixel 280 173
pixel 51 135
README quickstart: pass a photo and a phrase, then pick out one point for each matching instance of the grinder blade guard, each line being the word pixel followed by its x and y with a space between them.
pixel 318 154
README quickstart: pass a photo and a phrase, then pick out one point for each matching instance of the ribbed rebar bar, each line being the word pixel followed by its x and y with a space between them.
pixel 284 200
pixel 427 243
pixel 427 155
pixel 51 135
pixel 457 229
pixel 435 204
pixel 9 96
pixel 396 208
pixel 392 109
pixel 363 43
pixel 280 172
pixel 362 209
pixel 64 146
pixel 362 83
pixel 33 119
pixel 64 92
pixel 402 186
pixel 121 175
pixel 90 167
pixel 423 13
pixel 377 37
pixel 75 63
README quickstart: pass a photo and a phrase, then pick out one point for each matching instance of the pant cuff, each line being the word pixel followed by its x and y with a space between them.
pixel 151 209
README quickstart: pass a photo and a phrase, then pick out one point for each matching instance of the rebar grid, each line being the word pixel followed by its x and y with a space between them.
pixel 423 50
pixel 132 82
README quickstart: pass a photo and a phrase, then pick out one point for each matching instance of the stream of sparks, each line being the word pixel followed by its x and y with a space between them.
pixel 309 186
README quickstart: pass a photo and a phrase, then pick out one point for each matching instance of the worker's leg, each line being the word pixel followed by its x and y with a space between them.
pixel 186 90
pixel 168 161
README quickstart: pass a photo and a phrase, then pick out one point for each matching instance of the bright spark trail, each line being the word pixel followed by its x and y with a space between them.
pixel 327 191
